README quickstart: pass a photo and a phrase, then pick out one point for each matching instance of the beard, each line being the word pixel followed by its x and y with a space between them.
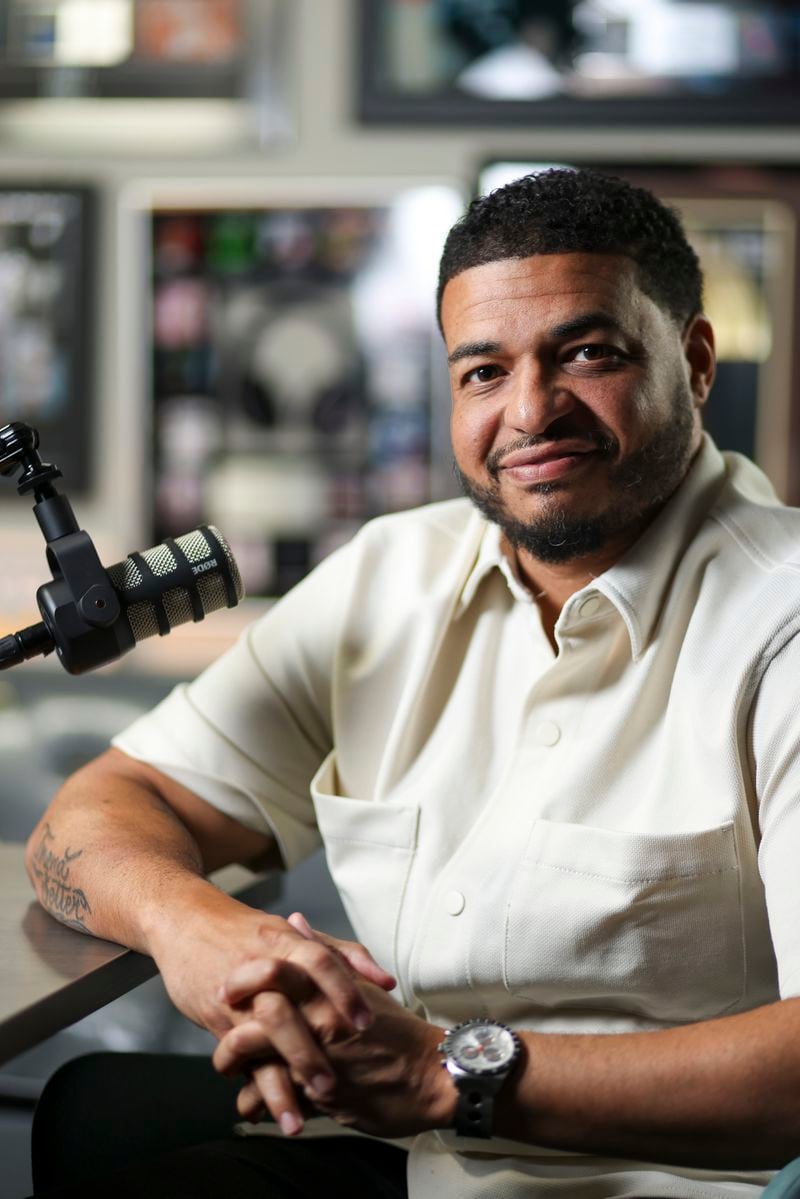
pixel 639 485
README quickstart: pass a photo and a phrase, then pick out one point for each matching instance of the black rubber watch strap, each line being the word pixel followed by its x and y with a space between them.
pixel 474 1111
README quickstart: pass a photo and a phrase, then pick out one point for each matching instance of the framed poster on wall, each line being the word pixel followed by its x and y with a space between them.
pixel 580 62
pixel 46 321
pixel 166 73
pixel 293 349
pixel 167 49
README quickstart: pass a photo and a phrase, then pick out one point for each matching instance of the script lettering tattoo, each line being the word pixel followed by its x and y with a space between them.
pixel 67 903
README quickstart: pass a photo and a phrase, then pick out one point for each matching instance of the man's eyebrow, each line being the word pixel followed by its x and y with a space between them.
pixel 474 349
pixel 584 324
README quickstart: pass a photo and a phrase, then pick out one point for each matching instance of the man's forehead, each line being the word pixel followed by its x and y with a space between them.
pixel 548 288
pixel 541 276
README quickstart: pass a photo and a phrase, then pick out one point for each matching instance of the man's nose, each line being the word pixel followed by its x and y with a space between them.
pixel 535 400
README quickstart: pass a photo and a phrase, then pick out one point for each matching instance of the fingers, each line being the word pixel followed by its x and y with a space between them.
pixel 362 961
pixel 271 1090
pixel 253 979
pixel 301 925
pixel 299 970
pixel 334 980
pixel 301 997
pixel 249 1103
pixel 266 974
pixel 276 1029
pixel 357 956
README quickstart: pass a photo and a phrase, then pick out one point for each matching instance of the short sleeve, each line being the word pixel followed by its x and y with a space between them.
pixel 775 747
pixel 250 732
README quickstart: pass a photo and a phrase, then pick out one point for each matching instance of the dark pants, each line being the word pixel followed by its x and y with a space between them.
pixel 143 1126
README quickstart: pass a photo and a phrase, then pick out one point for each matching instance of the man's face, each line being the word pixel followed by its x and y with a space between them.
pixel 575 406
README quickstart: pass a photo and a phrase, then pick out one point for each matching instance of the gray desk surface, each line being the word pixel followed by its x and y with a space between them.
pixel 51 976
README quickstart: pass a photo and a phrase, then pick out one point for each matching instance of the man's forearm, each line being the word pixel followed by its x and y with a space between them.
pixel 121 852
pixel 111 858
pixel 718 1094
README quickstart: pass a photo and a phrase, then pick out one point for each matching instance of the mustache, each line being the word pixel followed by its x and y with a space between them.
pixel 601 443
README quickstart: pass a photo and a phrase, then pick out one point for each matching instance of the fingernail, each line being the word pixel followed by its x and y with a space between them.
pixel 321 1084
pixel 301 925
pixel 290 1124
pixel 363 1020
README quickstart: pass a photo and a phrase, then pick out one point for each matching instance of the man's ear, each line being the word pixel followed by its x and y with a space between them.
pixel 698 347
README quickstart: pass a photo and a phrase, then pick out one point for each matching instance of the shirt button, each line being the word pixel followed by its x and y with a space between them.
pixel 547 733
pixel 454 902
pixel 590 605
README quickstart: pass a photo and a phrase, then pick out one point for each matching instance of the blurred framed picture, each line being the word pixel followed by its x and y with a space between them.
pixel 213 50
pixel 46 321
pixel 293 352
pixel 580 62
pixel 742 222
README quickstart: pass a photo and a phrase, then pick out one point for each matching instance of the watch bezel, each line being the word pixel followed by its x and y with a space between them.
pixel 448 1048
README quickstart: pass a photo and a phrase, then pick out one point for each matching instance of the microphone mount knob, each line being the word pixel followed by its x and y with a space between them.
pixel 99 606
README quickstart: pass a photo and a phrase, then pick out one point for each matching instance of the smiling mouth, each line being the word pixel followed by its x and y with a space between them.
pixel 546 463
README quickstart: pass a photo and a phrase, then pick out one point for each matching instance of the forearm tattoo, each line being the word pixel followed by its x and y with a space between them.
pixel 52 870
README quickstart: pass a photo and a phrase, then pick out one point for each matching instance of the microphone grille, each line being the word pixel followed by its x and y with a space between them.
pixel 233 565
pixel 177 606
pixel 161 560
pixel 195 546
pixel 159 592
pixel 142 619
pixel 211 590
pixel 125 576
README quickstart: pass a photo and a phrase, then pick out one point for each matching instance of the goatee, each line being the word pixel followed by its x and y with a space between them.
pixel 639 484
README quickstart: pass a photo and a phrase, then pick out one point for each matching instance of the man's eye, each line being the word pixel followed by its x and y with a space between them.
pixel 482 374
pixel 594 353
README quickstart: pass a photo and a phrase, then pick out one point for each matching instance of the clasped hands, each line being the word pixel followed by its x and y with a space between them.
pixel 316 1038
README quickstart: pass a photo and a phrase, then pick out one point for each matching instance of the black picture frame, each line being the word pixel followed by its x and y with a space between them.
pixel 66 424
pixel 756 102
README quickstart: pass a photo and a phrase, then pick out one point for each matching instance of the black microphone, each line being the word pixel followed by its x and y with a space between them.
pixel 177 581
pixel 148 593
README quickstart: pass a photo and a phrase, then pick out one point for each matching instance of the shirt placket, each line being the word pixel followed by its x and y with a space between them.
pixel 461 944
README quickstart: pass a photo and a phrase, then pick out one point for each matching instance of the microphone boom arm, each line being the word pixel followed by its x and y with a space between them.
pixel 79 607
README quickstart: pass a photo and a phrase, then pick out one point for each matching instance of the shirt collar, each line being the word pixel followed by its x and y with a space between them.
pixel 491 556
pixel 637 585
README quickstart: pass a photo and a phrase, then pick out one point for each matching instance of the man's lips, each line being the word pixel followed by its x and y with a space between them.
pixel 545 462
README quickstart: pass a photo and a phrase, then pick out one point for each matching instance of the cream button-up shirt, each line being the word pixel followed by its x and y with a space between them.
pixel 598 839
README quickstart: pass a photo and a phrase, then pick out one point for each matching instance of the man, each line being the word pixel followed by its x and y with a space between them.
pixel 548 746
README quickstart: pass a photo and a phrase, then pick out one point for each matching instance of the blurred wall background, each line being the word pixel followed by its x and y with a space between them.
pixel 250 297
pixel 298 141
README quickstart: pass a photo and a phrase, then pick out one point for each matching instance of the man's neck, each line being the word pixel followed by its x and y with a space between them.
pixel 552 583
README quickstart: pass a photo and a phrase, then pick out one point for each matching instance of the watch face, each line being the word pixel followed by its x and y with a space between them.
pixel 481 1047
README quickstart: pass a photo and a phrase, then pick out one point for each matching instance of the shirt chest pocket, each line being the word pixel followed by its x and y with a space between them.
pixel 605 920
pixel 369 849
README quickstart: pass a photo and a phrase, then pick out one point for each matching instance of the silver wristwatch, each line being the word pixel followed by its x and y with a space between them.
pixel 479 1055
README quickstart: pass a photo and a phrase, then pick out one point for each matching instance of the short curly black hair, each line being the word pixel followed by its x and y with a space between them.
pixel 562 211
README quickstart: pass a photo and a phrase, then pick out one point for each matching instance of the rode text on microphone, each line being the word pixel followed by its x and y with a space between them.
pixel 92 615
